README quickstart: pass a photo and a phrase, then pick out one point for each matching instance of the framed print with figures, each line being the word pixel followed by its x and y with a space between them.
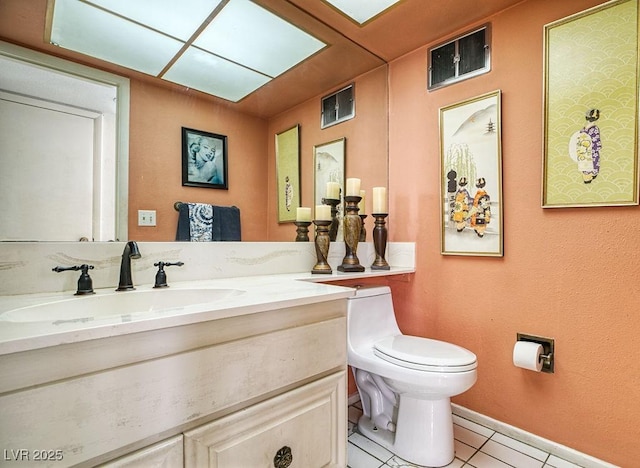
pixel 591 108
pixel 288 173
pixel 471 177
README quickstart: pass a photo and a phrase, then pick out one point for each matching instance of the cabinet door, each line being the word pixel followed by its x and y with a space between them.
pixel 303 428
pixel 165 454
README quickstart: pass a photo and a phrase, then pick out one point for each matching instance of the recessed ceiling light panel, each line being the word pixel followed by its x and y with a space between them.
pixel 88 30
pixel 362 10
pixel 177 19
pixel 248 34
pixel 205 72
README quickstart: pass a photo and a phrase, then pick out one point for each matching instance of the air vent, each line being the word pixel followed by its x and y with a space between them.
pixel 459 59
pixel 338 107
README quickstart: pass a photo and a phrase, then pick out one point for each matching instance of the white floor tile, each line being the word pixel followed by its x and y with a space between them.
pixel 463 451
pixel 482 460
pixel 468 437
pixel 358 458
pixel 520 446
pixel 560 463
pixel 370 447
pixel 510 456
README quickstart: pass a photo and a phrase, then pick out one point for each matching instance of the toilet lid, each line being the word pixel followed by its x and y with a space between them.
pixel 425 354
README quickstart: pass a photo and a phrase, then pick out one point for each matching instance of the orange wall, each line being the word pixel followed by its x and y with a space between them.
pixel 366 146
pixel 155 160
pixel 569 274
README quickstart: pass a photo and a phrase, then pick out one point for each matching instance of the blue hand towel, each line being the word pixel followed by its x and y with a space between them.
pixel 225 225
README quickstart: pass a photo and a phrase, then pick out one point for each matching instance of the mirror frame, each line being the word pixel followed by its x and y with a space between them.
pixel 122 86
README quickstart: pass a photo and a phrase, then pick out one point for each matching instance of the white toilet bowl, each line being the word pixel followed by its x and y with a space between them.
pixel 405 382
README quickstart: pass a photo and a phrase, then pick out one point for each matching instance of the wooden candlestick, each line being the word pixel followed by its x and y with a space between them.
pixel 322 242
pixel 363 231
pixel 302 230
pixel 380 242
pixel 352 225
pixel 333 229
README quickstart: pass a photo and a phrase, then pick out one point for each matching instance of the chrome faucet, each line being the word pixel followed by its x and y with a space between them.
pixel 130 251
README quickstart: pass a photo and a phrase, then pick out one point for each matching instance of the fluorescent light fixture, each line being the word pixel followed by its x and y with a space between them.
pixel 80 27
pixel 227 51
pixel 177 19
pixel 362 10
pixel 261 41
pixel 206 72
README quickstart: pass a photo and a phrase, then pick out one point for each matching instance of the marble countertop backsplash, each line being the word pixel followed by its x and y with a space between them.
pixel 26 267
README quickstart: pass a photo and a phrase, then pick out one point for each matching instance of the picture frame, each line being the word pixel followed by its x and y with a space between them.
pixel 329 166
pixel 591 108
pixel 471 208
pixel 204 159
pixel 288 173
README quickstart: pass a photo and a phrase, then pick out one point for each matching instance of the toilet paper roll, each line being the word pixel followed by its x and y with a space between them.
pixel 526 354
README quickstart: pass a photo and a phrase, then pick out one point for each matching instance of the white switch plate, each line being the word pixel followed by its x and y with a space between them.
pixel 146 217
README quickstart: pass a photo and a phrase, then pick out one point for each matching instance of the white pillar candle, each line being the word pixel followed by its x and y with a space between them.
pixel 333 190
pixel 362 209
pixel 323 213
pixel 353 187
pixel 379 200
pixel 303 213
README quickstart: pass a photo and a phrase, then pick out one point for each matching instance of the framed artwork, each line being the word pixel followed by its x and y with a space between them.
pixel 288 173
pixel 591 108
pixel 471 177
pixel 204 159
pixel 329 166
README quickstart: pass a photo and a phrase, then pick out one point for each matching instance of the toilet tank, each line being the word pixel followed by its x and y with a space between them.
pixel 370 316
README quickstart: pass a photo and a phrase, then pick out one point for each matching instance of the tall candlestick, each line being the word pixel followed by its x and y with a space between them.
pixel 379 200
pixel 333 190
pixel 353 187
pixel 323 213
pixel 352 224
pixel 361 205
pixel 303 213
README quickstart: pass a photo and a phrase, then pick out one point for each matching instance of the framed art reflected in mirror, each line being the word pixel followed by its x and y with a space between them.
pixel 204 159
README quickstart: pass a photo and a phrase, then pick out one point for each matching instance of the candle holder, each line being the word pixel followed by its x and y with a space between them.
pixel 333 229
pixel 322 242
pixel 302 229
pixel 363 231
pixel 380 242
pixel 352 225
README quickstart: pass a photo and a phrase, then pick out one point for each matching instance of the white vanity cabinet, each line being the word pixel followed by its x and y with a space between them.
pixel 166 454
pixel 301 428
pixel 230 392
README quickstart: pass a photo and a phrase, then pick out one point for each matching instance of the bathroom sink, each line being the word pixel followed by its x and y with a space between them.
pixel 117 303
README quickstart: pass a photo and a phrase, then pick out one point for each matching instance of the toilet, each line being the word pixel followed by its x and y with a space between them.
pixel 405 382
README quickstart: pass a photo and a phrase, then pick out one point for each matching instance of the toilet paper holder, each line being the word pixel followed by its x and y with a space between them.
pixel 548 346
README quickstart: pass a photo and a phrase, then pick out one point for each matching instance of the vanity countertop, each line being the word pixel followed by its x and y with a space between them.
pixel 259 294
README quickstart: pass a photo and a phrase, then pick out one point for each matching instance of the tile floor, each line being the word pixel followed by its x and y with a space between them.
pixel 475 445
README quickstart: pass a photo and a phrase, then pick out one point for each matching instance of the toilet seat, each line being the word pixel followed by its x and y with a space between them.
pixel 425 354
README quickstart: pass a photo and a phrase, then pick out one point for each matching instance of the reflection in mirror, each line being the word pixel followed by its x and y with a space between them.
pixel 159 109
pixel 64 147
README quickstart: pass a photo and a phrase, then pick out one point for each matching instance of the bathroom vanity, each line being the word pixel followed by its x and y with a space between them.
pixel 258 379
pixel 244 368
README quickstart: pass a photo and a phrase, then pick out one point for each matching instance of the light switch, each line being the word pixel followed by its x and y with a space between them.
pixel 146 217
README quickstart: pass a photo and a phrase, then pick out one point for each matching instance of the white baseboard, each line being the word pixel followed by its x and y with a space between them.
pixel 561 451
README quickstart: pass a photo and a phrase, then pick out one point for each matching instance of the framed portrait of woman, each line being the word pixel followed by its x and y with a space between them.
pixel 204 159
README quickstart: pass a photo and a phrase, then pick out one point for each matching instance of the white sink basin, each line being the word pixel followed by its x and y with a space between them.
pixel 117 303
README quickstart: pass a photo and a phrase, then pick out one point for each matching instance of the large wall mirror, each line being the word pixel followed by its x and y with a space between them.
pixel 97 104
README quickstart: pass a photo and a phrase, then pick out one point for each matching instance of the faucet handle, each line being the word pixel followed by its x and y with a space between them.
pixel 85 283
pixel 161 276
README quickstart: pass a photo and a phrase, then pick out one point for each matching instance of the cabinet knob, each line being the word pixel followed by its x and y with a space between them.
pixel 283 457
